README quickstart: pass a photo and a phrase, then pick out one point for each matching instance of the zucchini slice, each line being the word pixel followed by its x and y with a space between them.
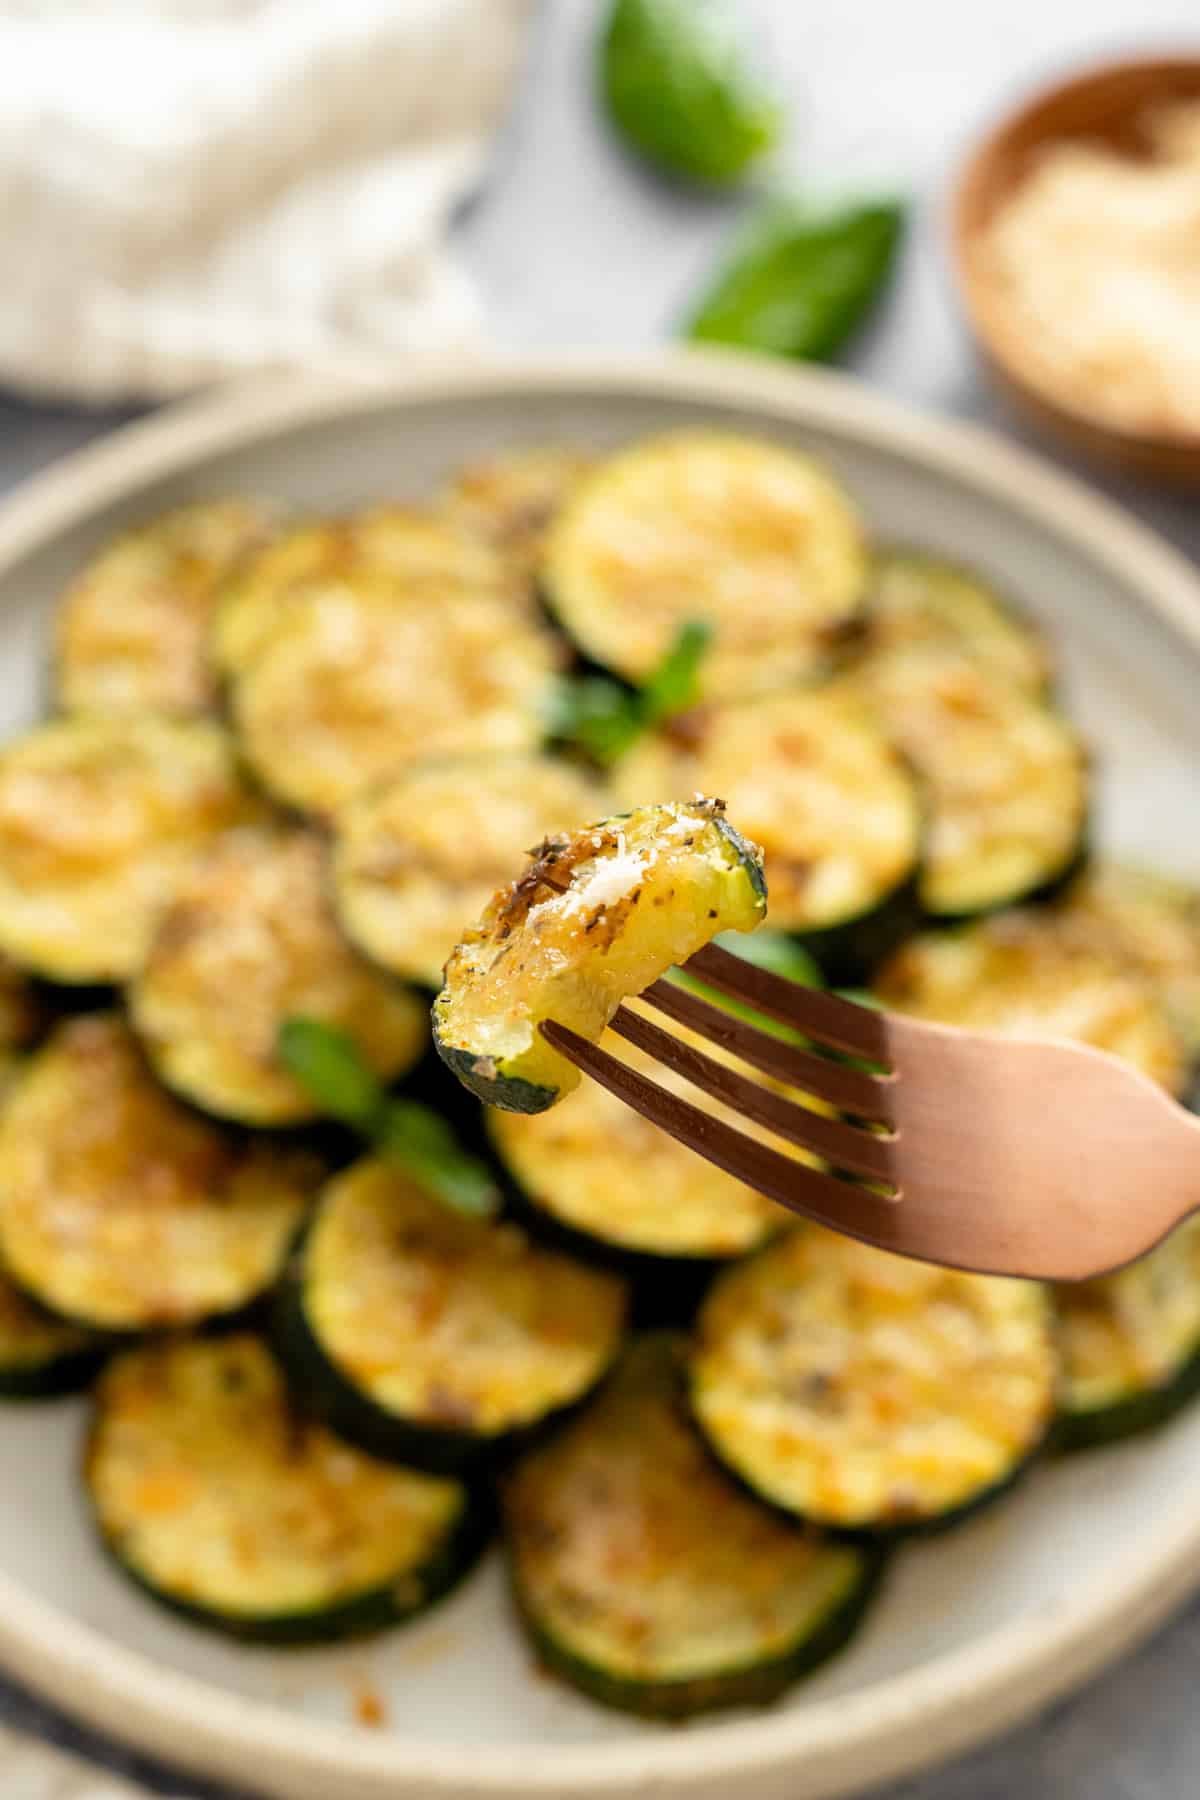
pixel 1130 1344
pixel 122 1210
pixel 594 918
pixel 1031 974
pixel 1153 921
pixel 650 1580
pixel 917 599
pixel 99 818
pixel 418 857
pixel 433 1338
pixel 225 1504
pixel 757 540
pixel 369 674
pixel 869 1393
pixel 40 1356
pixel 511 499
pixel 1005 777
pixel 810 776
pixel 432 556
pixel 249 940
pixel 132 632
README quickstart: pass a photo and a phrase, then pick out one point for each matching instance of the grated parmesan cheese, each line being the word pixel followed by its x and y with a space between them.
pixel 1095 263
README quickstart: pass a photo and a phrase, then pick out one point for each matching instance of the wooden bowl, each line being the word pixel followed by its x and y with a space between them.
pixel 1106 106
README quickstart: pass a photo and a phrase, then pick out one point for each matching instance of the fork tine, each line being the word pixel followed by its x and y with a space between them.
pixel 844 1145
pixel 842 1205
pixel 852 1090
pixel 827 1018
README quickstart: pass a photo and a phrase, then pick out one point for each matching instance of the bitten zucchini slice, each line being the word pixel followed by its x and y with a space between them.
pixel 122 1210
pixel 917 599
pixel 810 776
pixel 1153 921
pixel 433 557
pixel 434 1338
pixel 1030 973
pixel 249 940
pixel 755 539
pixel 511 499
pixel 40 1356
pixel 99 818
pixel 369 674
pixel 650 1580
pixel 1005 778
pixel 418 857
pixel 1131 1344
pixel 223 1502
pixel 594 918
pixel 870 1393
pixel 132 632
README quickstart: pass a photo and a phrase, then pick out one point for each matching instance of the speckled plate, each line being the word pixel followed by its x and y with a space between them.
pixel 974 1630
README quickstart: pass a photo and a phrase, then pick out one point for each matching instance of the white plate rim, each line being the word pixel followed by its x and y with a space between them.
pixel 830 1747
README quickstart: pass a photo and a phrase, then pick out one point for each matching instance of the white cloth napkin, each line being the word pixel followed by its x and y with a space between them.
pixel 194 189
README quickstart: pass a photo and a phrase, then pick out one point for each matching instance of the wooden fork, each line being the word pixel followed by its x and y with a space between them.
pixel 967 1148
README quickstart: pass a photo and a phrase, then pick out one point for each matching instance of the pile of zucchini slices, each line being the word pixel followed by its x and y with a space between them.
pixel 317 769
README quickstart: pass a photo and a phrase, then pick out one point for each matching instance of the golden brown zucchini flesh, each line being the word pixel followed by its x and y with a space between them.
pixel 757 540
pixel 132 631
pixel 122 1210
pixel 595 918
pixel 418 857
pixel 1153 921
pixel 1031 974
pixel 923 600
pixel 99 818
pixel 432 556
pixel 870 1393
pixel 1005 778
pixel 249 940
pixel 432 1337
pixel 1131 1344
pixel 649 1579
pixel 222 1501
pixel 810 776
pixel 511 499
pixel 367 675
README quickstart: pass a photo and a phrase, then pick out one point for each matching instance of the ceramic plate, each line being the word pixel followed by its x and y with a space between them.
pixel 973 1631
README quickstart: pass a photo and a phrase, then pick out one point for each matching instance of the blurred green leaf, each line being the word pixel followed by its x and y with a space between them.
pixel 603 719
pixel 328 1065
pixel 675 685
pixel 677 87
pixel 799 282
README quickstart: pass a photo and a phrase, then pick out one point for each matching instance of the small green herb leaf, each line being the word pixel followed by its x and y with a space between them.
pixel 799 282
pixel 603 719
pixel 675 684
pixel 422 1143
pixel 678 90
pixel 328 1065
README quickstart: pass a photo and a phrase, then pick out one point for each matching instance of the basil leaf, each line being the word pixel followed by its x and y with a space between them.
pixel 419 1141
pixel 603 719
pixel 799 283
pixel 675 684
pixel 678 90
pixel 327 1063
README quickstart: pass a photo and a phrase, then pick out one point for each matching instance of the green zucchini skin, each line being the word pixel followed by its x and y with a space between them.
pixel 493 1088
pixel 759 1683
pixel 848 953
pixel 69 1373
pixel 1044 893
pixel 1138 1413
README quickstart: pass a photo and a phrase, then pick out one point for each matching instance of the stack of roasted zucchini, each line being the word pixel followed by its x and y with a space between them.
pixel 286 763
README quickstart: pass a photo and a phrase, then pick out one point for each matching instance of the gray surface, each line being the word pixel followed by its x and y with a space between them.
pixel 576 247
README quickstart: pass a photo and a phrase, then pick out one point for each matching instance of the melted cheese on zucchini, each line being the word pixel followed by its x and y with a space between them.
pixel 1030 974
pixel 594 918
pixel 922 600
pixel 1128 1334
pixel 1006 778
pixel 123 1210
pixel 212 1489
pixel 511 499
pixel 1152 921
pixel 757 540
pixel 860 1389
pixel 368 675
pixel 636 1558
pixel 809 776
pixel 449 1321
pixel 132 633
pixel 431 556
pixel 99 818
pixel 419 857
pixel 250 940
